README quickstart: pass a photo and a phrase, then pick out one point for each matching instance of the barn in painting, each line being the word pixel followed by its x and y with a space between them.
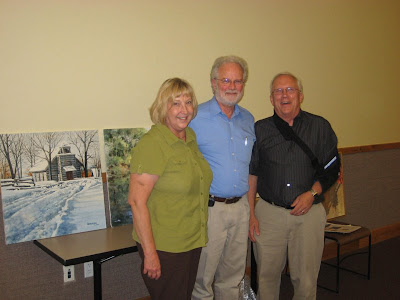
pixel 64 166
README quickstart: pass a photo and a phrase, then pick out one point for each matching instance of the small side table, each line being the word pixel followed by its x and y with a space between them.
pixel 343 239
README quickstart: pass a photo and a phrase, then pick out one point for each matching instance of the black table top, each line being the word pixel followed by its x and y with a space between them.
pixel 88 246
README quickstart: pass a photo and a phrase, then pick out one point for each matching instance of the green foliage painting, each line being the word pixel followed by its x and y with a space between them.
pixel 118 146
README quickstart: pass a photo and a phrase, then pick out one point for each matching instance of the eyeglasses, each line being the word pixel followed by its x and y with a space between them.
pixel 227 81
pixel 289 90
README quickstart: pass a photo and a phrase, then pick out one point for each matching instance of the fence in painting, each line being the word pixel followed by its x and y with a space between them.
pixel 18 183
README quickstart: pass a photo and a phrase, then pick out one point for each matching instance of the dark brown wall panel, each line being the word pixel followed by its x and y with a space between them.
pixel 371 186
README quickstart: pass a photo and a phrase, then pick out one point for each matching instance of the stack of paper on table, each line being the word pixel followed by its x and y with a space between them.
pixel 340 228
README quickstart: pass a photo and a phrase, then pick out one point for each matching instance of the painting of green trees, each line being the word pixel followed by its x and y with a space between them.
pixel 118 144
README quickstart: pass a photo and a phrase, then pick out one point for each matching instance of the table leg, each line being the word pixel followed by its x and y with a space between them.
pixel 97 279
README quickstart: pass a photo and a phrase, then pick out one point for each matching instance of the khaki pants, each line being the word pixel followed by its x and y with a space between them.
pixel 223 261
pixel 300 238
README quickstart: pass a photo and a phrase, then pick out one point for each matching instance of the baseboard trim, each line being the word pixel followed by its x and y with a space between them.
pixel 378 235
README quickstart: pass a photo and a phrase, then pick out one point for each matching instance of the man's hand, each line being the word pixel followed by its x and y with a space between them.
pixel 253 227
pixel 302 204
pixel 152 266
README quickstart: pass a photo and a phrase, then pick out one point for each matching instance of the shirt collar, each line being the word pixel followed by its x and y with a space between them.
pixel 171 138
pixel 215 109
pixel 300 116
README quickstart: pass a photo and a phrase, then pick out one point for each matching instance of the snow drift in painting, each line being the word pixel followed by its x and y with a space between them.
pixel 53 208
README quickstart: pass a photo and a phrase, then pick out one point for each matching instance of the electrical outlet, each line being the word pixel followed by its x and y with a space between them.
pixel 88 268
pixel 69 273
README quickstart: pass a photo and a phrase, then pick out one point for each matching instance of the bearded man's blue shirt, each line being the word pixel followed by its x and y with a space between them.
pixel 227 146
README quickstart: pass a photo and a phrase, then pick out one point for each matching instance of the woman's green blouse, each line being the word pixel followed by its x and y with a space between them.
pixel 178 203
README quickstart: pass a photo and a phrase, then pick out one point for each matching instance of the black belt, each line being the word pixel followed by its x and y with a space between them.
pixel 230 200
pixel 279 204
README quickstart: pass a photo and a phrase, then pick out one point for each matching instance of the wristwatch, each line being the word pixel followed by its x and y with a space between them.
pixel 314 193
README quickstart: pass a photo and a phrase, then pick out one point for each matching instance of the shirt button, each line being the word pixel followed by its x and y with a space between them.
pixel 233 154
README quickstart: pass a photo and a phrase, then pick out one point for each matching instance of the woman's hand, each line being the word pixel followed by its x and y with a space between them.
pixel 152 266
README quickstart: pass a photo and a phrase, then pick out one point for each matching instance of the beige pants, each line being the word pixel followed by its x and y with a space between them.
pixel 300 238
pixel 223 261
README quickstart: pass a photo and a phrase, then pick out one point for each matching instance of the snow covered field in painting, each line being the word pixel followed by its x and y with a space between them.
pixel 52 209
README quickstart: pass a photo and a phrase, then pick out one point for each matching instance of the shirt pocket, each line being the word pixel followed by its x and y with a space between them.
pixel 179 161
pixel 244 147
pixel 198 155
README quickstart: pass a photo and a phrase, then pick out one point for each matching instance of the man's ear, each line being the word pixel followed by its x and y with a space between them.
pixel 213 83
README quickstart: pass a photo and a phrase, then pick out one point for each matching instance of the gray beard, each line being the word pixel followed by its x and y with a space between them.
pixel 226 102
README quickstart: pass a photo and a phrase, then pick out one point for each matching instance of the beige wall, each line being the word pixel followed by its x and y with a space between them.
pixel 70 65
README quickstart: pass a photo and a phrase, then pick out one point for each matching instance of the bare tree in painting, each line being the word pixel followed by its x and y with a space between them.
pixel 4 167
pixel 97 162
pixel 47 143
pixel 30 150
pixel 16 152
pixel 11 148
pixel 6 141
pixel 83 141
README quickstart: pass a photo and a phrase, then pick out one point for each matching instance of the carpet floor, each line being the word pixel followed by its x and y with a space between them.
pixel 383 285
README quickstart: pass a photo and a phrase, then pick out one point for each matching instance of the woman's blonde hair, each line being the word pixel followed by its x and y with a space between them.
pixel 169 90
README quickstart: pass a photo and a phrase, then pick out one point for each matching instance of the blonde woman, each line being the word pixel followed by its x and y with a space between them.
pixel 168 194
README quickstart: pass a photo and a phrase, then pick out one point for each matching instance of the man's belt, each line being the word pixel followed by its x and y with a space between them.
pixel 288 206
pixel 225 200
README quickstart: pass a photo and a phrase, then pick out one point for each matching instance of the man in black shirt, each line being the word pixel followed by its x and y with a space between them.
pixel 294 161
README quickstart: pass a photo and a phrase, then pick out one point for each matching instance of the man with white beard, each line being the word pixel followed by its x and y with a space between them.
pixel 225 135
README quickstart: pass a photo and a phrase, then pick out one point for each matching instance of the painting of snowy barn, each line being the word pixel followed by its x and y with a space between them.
pixel 50 184
pixel 64 166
